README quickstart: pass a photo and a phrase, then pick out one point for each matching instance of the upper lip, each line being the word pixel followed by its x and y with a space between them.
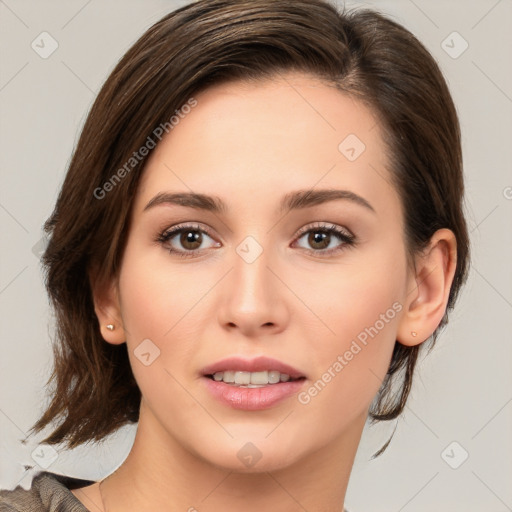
pixel 257 364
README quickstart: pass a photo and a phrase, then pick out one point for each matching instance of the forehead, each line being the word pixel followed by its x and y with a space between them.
pixel 292 131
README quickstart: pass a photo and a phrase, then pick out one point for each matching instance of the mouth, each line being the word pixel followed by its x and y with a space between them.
pixel 260 371
pixel 252 385
pixel 242 379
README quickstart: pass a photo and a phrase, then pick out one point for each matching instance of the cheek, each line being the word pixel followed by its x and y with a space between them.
pixel 157 306
pixel 151 312
pixel 360 307
pixel 166 304
pixel 157 295
pixel 352 296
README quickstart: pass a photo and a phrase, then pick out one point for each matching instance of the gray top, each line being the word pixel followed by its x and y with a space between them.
pixel 49 493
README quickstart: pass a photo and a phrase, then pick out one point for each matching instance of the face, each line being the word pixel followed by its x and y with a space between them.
pixel 298 257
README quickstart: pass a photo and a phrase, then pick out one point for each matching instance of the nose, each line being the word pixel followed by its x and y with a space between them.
pixel 253 298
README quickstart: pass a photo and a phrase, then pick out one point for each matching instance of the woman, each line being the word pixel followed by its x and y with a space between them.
pixel 259 229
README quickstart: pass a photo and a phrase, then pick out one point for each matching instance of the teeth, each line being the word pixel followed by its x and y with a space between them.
pixel 273 377
pixel 228 377
pixel 251 379
pixel 242 378
pixel 259 377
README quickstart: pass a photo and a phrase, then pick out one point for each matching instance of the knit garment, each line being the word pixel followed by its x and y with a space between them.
pixel 48 493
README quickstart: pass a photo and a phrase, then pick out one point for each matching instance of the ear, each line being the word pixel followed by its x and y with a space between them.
pixel 429 288
pixel 107 308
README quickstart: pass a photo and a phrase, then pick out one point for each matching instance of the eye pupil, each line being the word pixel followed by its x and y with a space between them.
pixel 318 237
pixel 191 237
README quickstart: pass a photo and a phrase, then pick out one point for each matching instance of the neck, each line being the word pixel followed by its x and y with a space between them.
pixel 161 474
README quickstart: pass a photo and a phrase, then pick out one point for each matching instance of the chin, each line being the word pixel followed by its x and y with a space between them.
pixel 251 452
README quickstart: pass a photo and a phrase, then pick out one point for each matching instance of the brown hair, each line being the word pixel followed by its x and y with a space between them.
pixel 362 53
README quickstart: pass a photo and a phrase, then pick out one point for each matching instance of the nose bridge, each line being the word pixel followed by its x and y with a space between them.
pixel 253 300
pixel 251 278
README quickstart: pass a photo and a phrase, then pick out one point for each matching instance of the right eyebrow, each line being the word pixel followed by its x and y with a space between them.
pixel 188 199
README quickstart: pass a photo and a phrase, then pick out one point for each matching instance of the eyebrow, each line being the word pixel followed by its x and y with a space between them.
pixel 292 201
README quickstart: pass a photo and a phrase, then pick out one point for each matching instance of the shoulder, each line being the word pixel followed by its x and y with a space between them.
pixel 48 493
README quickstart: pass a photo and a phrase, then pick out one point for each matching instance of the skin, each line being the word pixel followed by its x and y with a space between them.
pixel 250 144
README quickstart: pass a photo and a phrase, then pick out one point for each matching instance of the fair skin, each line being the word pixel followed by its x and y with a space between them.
pixel 250 145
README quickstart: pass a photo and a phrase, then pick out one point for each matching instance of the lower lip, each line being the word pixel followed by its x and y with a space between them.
pixel 252 399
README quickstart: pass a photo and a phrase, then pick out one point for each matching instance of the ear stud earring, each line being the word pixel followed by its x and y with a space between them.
pixel 414 334
pixel 110 327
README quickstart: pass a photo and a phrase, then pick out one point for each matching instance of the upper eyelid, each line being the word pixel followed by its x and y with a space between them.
pixel 328 226
pixel 192 226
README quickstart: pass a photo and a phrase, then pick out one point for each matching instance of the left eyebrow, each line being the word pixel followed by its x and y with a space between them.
pixel 292 201
pixel 306 198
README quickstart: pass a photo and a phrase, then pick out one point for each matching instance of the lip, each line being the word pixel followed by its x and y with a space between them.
pixel 252 399
pixel 257 364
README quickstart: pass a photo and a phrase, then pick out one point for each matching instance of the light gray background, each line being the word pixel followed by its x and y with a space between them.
pixel 463 391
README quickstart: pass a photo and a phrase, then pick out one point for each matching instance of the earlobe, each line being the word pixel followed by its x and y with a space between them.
pixel 112 332
pixel 429 291
pixel 107 309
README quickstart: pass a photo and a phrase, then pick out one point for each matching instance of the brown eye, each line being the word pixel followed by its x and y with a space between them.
pixel 319 239
pixel 324 239
pixel 191 240
pixel 187 240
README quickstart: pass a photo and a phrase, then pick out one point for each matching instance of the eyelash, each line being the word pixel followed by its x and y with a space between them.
pixel 345 236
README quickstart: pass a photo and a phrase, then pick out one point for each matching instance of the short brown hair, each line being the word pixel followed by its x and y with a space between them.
pixel 361 52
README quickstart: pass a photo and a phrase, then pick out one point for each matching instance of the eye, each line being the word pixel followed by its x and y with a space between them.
pixel 186 240
pixel 189 240
pixel 325 239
